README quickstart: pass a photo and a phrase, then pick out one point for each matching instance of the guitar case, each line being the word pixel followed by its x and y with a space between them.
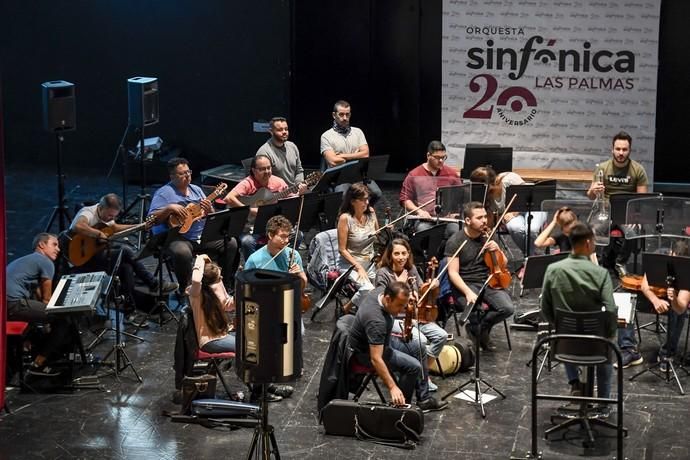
pixel 223 408
pixel 388 425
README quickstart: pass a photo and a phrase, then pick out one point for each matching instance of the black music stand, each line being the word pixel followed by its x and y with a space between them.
pixel 478 192
pixel 620 218
pixel 227 224
pixel 288 207
pixel 311 209
pixel 476 380
pixel 122 360
pixel 529 198
pixel 663 270
pixel 450 199
pixel 500 159
pixel 366 169
pixel 332 177
pixel 427 243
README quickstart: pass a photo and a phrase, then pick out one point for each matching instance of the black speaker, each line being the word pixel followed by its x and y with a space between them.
pixel 269 326
pixel 59 106
pixel 142 93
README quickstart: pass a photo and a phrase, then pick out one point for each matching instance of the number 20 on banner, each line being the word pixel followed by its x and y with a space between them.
pixel 483 109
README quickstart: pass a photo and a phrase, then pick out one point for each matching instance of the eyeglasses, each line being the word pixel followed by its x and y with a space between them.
pixel 184 173
pixel 439 158
pixel 265 168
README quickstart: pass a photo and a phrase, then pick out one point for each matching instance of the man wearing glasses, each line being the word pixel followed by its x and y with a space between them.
pixel 170 200
pixel 421 184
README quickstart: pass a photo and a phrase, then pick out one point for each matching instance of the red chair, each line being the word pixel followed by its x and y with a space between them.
pixel 214 361
pixel 368 375
pixel 15 331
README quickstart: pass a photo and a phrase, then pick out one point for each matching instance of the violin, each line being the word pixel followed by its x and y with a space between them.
pixel 427 311
pixel 410 311
pixel 634 283
pixel 496 260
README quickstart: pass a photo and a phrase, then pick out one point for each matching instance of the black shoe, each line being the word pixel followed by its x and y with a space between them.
pixel 486 342
pixel 168 287
pixel 430 404
pixel 470 332
pixel 136 320
pixel 576 389
pixel 284 391
pixel 602 411
pixel 270 397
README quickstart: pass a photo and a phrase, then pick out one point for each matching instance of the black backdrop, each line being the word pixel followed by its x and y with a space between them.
pixel 223 64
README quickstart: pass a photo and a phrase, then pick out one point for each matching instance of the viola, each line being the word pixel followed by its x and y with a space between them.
pixel 427 311
pixel 634 283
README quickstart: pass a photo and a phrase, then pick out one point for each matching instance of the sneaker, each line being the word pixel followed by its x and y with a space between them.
pixel 168 287
pixel 430 404
pixel 42 371
pixel 136 320
pixel 284 391
pixel 602 411
pixel 663 366
pixel 270 397
pixel 631 357
pixel 432 386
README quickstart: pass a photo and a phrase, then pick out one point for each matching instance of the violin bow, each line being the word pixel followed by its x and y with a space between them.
pixel 498 222
pixel 394 221
pixel 299 220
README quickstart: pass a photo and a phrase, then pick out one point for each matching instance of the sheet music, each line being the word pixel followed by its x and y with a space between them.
pixel 625 302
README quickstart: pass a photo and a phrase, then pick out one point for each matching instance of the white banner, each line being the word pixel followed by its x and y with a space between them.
pixel 553 79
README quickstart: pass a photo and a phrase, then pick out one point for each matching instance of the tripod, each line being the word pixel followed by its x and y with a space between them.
pixel 60 210
pixel 476 380
pixel 264 440
pixel 122 361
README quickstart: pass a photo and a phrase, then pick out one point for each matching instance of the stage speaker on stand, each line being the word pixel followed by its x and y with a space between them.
pixel 268 341
pixel 142 93
pixel 59 106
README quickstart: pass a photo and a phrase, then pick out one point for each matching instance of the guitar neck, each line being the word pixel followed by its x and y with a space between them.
pixel 128 231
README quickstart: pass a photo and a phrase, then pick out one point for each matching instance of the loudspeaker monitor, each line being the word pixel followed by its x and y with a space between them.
pixel 59 106
pixel 269 334
pixel 142 93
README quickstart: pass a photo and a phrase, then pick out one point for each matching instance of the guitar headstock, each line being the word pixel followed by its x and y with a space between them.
pixel 150 221
pixel 313 178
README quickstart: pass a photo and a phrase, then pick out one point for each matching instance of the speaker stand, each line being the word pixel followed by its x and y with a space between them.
pixel 264 440
pixel 60 210
pixel 143 199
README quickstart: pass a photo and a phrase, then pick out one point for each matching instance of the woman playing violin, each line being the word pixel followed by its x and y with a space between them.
pixel 397 264
pixel 468 271
pixel 357 225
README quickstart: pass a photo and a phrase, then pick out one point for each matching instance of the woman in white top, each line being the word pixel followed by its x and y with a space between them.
pixel 210 304
pixel 357 225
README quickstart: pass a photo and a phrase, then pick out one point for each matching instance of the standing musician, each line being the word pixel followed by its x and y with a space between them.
pixel 284 154
pixel 397 264
pixel 260 177
pixel 90 222
pixel 343 143
pixel 515 222
pixel 564 219
pixel 170 200
pixel 468 271
pixel 620 174
pixel 29 286
pixel 421 184
pixel 575 284
pixel 357 225
pixel 675 304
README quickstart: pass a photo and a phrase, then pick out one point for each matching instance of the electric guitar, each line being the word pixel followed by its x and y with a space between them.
pixel 80 248
pixel 265 196
pixel 194 211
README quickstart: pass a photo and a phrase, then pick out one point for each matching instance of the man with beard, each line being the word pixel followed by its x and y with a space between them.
pixel 284 155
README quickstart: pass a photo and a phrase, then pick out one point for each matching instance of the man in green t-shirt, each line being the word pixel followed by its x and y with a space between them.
pixel 620 174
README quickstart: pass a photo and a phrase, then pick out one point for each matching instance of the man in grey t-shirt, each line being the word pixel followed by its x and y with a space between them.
pixel 284 155
pixel 344 143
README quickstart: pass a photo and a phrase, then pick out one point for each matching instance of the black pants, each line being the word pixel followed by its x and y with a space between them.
pixel 34 311
pixel 500 307
pixel 182 252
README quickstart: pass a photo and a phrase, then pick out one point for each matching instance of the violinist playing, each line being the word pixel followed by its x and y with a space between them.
pixel 397 264
pixel 468 271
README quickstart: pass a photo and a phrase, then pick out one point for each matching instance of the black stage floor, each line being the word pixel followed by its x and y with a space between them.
pixel 123 419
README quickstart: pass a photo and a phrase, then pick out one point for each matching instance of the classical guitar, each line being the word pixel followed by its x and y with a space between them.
pixel 264 196
pixel 80 248
pixel 194 211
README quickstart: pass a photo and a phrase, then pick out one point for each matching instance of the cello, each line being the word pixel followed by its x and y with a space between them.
pixel 496 260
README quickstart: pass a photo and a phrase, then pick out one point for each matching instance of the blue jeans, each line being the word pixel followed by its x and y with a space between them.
pixel 626 337
pixel 222 345
pixel 603 372
pixel 674 327
pixel 408 370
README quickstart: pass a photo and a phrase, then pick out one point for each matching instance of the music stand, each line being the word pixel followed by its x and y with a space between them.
pixel 122 360
pixel 332 177
pixel 226 224
pixel 529 198
pixel 500 159
pixel 619 205
pixel 478 192
pixel 313 204
pixel 476 380
pixel 427 243
pixel 664 270
pixel 450 199
pixel 328 211
pixel 366 169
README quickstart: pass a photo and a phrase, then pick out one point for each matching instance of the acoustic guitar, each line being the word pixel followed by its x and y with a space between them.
pixel 194 211
pixel 80 248
pixel 265 196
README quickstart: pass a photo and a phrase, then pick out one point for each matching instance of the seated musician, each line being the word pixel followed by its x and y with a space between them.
pixel 397 264
pixel 515 222
pixel 564 219
pixel 171 200
pixel 90 222
pixel 575 284
pixel 675 305
pixel 468 271
pixel 357 225
pixel 260 177
pixel 284 154
pixel 421 184
pixel 369 339
pixel 29 286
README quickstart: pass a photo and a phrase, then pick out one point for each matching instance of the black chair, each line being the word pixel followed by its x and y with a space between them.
pixel 155 247
pixel 334 293
pixel 580 339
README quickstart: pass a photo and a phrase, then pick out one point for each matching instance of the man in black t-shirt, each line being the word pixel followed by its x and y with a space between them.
pixel 467 273
pixel 369 339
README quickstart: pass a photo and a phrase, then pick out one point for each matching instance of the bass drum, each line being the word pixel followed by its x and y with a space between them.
pixel 454 358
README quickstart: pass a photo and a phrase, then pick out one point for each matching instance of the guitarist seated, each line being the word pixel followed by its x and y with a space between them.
pixel 260 187
pixel 97 223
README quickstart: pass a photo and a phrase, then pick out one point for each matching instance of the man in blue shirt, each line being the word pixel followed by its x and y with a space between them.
pixel 171 200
